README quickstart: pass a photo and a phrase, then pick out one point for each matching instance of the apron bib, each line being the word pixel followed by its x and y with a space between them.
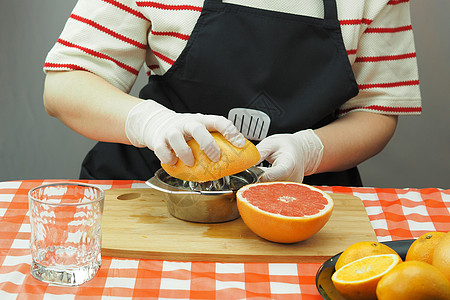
pixel 269 72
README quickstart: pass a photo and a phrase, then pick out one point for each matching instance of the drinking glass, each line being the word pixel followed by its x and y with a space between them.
pixel 66 236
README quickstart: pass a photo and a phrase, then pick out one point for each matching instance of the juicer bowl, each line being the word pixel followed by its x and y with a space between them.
pixel 202 206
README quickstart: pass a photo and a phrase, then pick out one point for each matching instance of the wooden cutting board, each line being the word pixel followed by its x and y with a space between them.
pixel 136 224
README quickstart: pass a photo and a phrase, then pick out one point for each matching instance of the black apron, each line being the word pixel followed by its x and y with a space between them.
pixel 294 68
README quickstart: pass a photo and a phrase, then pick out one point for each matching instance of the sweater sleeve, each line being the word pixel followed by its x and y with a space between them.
pixel 385 66
pixel 105 37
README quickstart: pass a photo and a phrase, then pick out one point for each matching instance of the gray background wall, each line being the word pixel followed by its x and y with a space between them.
pixel 34 145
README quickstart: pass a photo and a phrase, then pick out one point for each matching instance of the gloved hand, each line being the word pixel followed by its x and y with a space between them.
pixel 150 124
pixel 292 155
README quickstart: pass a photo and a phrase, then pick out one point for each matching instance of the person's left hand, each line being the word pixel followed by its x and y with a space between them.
pixel 292 155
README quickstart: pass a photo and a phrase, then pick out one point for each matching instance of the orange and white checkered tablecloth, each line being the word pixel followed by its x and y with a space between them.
pixel 395 214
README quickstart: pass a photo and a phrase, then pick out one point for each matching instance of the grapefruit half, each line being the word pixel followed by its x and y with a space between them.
pixel 284 212
pixel 233 160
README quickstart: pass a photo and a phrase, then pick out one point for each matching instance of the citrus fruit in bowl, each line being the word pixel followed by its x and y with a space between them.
pixel 422 248
pixel 359 279
pixel 284 212
pixel 362 249
pixel 413 280
pixel 441 255
pixel 324 283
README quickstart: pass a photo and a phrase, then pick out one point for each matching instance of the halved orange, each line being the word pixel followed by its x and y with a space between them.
pixel 359 279
pixel 362 249
pixel 284 212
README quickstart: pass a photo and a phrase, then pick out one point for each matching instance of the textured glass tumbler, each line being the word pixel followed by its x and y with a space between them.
pixel 66 235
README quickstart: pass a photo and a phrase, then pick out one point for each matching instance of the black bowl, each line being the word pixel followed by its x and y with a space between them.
pixel 323 277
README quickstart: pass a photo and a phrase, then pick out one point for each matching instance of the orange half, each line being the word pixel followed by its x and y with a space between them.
pixel 359 279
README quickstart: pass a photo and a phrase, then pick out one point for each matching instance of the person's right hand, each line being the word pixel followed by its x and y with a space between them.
pixel 150 124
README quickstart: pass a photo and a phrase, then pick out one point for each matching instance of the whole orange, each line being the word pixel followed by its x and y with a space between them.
pixel 423 248
pixel 362 249
pixel 413 280
pixel 284 212
pixel 441 255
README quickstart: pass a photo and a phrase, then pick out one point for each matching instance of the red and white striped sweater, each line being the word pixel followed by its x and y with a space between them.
pixel 115 38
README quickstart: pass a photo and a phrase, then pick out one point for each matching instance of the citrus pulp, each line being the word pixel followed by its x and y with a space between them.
pixel 362 249
pixel 284 212
pixel 359 279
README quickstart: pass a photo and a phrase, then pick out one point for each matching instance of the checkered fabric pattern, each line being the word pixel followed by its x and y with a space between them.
pixel 394 213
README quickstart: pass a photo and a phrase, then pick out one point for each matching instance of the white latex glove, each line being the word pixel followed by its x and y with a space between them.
pixel 292 155
pixel 150 124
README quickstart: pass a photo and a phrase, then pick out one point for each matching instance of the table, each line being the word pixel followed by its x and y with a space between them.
pixel 395 214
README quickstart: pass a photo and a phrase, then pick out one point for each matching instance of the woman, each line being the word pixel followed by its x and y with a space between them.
pixel 327 78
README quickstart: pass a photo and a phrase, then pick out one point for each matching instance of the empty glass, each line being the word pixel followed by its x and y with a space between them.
pixel 66 236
